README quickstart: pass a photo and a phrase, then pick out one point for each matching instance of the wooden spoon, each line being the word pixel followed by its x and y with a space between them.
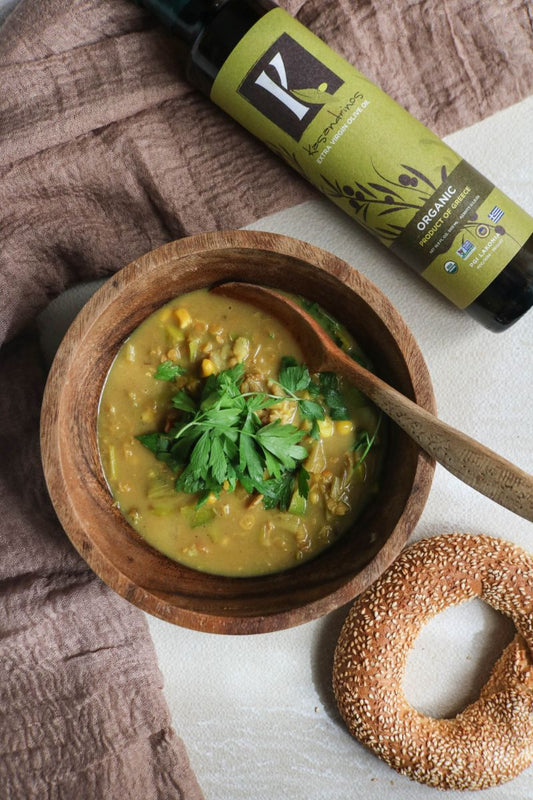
pixel 468 460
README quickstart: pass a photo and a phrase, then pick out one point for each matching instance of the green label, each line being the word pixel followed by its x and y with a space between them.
pixel 370 157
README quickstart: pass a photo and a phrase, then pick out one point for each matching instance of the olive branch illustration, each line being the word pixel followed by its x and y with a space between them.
pixel 412 189
pixel 318 97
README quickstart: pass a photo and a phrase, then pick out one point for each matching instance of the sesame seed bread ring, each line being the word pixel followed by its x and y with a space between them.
pixel 491 740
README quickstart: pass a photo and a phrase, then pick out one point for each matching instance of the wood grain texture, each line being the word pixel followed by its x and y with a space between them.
pixel 74 474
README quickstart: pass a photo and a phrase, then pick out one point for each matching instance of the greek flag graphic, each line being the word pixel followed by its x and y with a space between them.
pixel 496 214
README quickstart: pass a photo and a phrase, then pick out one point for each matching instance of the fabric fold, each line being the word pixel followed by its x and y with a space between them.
pixel 128 74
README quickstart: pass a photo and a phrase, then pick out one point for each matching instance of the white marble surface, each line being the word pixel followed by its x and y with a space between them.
pixel 257 713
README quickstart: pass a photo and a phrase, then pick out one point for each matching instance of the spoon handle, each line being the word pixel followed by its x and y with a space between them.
pixel 472 462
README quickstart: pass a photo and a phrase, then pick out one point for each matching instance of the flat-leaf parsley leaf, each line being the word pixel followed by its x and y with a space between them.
pixel 168 370
pixel 220 439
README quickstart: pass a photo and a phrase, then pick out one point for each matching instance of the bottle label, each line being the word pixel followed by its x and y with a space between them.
pixel 370 157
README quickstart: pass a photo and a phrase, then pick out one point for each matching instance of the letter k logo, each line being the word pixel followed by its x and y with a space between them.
pixel 273 83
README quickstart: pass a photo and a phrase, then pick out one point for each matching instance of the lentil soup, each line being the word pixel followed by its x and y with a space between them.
pixel 222 451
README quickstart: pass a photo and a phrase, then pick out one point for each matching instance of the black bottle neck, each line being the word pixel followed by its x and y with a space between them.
pixel 208 31
pixel 184 18
pixel 219 38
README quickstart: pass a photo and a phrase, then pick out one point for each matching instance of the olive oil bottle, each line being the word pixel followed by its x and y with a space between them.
pixel 320 114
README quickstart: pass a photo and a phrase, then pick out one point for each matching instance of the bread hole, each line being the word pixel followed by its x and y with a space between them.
pixel 453 657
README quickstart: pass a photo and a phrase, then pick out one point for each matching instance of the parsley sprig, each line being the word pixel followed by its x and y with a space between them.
pixel 220 439
pixel 294 377
pixel 168 371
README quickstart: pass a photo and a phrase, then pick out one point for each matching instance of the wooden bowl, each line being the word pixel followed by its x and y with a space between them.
pixel 74 474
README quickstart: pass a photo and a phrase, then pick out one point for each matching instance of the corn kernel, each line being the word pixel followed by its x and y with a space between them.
pixel 211 499
pixel 326 427
pixel 165 315
pixel 344 426
pixel 207 367
pixel 148 415
pixel 183 317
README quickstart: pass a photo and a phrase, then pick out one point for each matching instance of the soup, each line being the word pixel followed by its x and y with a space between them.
pixel 221 449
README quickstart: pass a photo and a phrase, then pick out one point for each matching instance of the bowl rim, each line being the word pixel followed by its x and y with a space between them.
pixel 52 446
